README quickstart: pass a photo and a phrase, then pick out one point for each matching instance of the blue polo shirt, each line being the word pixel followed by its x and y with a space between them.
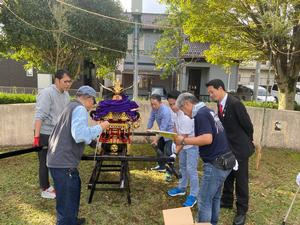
pixel 163 117
pixel 207 122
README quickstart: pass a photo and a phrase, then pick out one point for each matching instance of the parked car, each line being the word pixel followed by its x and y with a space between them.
pixel 274 92
pixel 160 91
pixel 245 92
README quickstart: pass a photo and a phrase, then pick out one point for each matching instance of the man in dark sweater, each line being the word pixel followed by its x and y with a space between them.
pixel 213 146
pixel 66 145
pixel 239 130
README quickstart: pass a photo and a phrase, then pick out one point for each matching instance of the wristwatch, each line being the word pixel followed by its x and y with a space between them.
pixel 182 142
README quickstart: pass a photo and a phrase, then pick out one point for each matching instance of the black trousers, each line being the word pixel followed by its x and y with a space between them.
pixel 43 169
pixel 241 180
pixel 165 148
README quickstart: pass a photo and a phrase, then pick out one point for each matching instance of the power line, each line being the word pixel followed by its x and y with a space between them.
pixel 113 18
pixel 158 26
pixel 100 46
pixel 143 24
pixel 65 33
pixel 69 35
pixel 29 24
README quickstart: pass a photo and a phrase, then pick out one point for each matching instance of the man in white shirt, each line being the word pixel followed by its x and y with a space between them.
pixel 188 154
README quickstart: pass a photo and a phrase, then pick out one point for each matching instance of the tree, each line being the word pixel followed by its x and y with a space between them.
pixel 49 35
pixel 170 48
pixel 248 30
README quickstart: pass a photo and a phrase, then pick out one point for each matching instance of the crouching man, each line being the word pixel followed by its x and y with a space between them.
pixel 214 151
pixel 66 145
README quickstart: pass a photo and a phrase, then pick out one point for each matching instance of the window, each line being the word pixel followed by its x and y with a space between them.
pixel 29 73
pixel 130 42
pixel 275 87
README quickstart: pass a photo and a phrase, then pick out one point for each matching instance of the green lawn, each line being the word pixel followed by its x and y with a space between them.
pixel 272 188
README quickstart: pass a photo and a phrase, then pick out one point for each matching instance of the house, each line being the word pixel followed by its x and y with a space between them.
pixel 13 75
pixel 148 75
pixel 246 74
pixel 14 78
pixel 196 71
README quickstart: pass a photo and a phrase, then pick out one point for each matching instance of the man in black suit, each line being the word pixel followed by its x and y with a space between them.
pixel 239 130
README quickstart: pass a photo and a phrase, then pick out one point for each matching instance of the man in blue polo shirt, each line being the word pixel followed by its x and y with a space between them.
pixel 213 147
pixel 163 117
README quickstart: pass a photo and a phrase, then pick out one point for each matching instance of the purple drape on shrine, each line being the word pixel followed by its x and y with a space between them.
pixel 118 106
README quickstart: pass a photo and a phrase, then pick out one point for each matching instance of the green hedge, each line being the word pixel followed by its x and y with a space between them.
pixel 6 98
pixel 270 105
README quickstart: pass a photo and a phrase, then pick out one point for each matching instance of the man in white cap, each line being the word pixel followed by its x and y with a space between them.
pixel 66 145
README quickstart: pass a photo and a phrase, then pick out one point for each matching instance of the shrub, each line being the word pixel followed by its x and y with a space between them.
pixel 270 105
pixel 6 98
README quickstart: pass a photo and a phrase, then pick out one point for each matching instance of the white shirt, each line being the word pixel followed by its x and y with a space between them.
pixel 223 102
pixel 184 125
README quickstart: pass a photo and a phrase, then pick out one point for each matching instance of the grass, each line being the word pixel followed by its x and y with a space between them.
pixel 272 188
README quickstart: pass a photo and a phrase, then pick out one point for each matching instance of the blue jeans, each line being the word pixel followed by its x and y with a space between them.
pixel 210 193
pixel 67 185
pixel 188 167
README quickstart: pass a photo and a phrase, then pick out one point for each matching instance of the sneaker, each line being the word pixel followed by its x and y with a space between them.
pixel 48 193
pixel 176 191
pixel 51 189
pixel 190 201
pixel 159 169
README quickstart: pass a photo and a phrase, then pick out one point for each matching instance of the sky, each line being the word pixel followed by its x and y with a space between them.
pixel 149 6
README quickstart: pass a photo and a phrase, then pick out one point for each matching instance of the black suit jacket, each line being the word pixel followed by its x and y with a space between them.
pixel 238 126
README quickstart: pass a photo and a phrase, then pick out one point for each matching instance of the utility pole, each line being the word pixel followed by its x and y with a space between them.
pixel 268 77
pixel 256 81
pixel 135 69
pixel 136 8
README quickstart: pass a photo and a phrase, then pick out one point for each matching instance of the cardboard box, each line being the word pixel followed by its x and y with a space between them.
pixel 180 216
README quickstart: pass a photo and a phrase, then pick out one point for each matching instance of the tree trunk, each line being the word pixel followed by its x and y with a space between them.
pixel 286 74
pixel 286 99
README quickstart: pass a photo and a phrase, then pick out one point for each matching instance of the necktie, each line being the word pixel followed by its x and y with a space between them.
pixel 220 109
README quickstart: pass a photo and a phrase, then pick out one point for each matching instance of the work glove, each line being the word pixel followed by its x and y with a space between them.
pixel 173 148
pixel 298 179
pixel 36 141
pixel 173 156
pixel 236 166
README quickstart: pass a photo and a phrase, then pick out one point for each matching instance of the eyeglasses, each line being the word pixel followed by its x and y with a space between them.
pixel 67 81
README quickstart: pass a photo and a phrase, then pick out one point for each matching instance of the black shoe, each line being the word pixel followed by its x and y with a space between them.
pixel 80 221
pixel 239 219
pixel 226 205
